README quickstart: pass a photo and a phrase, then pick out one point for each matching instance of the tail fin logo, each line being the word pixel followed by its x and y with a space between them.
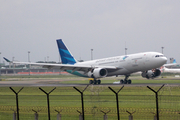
pixel 66 56
pixel 6 59
pixel 174 61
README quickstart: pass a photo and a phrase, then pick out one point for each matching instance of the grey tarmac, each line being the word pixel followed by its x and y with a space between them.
pixel 56 82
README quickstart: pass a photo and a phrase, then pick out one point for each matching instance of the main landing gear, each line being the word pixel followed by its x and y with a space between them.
pixel 94 81
pixel 125 81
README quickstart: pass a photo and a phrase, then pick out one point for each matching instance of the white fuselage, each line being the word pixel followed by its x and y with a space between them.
pixel 171 70
pixel 128 64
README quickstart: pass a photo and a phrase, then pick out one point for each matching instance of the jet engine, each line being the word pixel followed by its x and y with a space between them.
pixel 151 73
pixel 98 73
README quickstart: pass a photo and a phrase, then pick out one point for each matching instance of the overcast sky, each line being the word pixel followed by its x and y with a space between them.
pixel 102 25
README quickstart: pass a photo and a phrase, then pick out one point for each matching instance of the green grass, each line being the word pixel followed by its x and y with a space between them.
pixel 96 98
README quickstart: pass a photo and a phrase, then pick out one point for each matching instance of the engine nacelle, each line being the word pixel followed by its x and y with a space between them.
pixel 151 73
pixel 97 73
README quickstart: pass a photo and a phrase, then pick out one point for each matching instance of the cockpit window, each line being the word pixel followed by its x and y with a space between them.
pixel 159 56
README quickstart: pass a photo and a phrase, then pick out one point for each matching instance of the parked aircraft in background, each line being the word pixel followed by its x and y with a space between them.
pixel 174 64
pixel 147 62
pixel 169 70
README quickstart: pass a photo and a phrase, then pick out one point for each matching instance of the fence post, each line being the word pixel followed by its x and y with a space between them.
pixel 80 115
pixel 36 114
pixel 105 117
pixel 47 100
pixel 14 114
pixel 82 100
pixel 155 117
pixel 58 115
pixel 130 115
pixel 117 101
pixel 156 94
pixel 17 103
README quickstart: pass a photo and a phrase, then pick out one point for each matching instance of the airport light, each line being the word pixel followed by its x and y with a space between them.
pixel 28 56
pixel 47 58
pixel 91 54
pixel 13 58
pixel 0 63
pixel 13 65
pixel 0 57
pixel 162 49
pixel 29 61
pixel 125 51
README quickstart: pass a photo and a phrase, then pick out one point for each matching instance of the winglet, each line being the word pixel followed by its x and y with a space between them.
pixel 6 59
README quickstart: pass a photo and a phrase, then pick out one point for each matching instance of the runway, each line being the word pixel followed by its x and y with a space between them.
pixel 57 83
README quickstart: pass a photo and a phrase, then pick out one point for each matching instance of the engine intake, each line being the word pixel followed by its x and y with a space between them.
pixel 151 73
pixel 98 73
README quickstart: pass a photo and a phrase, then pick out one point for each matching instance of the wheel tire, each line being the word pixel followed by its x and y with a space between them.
pixel 91 82
pixel 99 81
pixel 121 81
pixel 95 82
pixel 129 81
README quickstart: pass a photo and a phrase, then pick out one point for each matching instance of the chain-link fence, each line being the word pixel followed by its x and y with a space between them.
pixel 138 101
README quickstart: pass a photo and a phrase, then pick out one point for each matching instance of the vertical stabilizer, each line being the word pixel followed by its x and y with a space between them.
pixel 66 56
pixel 174 61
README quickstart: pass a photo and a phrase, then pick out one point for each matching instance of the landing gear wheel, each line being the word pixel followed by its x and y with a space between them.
pixel 90 81
pixel 98 81
pixel 129 81
pixel 121 81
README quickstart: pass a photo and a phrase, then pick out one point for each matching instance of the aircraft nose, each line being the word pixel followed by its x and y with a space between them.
pixel 164 59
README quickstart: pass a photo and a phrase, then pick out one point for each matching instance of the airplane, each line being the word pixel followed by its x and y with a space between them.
pixel 169 70
pixel 174 64
pixel 146 62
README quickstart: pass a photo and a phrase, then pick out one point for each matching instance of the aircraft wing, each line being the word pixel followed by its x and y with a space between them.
pixel 84 68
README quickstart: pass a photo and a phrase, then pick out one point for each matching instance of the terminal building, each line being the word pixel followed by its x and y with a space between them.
pixel 23 69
